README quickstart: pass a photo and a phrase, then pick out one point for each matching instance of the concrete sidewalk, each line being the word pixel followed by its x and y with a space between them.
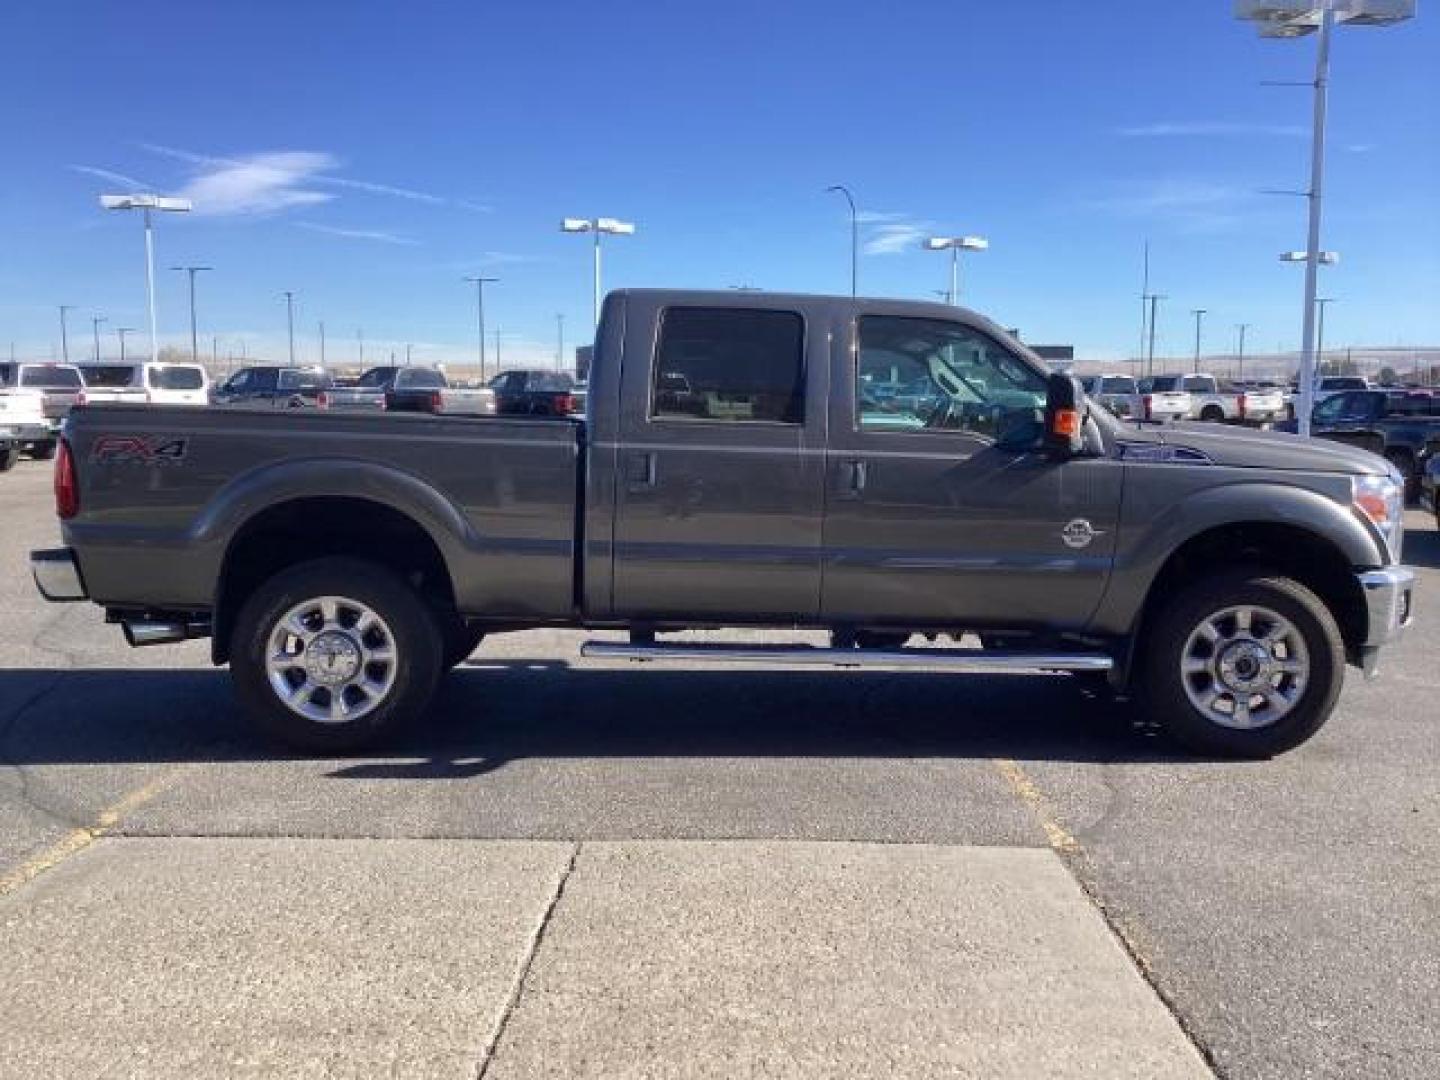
pixel 218 957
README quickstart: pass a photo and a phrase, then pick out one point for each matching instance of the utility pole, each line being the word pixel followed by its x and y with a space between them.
pixel 480 282
pixel 290 321
pixel 95 321
pixel 1199 314
pixel 407 354
pixel 360 341
pixel 1144 304
pixel 560 342
pixel 322 344
pixel 497 348
pixel 64 332
pixel 214 350
pixel 1321 302
pixel 194 337
pixel 120 332
pixel 1240 355
pixel 1154 299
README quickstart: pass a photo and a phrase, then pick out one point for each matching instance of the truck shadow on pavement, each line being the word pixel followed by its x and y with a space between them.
pixel 493 711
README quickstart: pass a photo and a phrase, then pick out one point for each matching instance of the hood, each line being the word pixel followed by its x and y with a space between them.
pixel 1246 448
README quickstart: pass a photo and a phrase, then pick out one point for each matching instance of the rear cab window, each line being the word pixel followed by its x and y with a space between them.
pixel 175 377
pixel 50 377
pixel 109 376
pixel 734 365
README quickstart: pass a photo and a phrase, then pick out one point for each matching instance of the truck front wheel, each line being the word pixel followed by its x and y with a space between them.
pixel 333 655
pixel 1243 664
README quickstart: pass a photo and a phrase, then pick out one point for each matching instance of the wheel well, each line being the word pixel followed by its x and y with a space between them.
pixel 313 528
pixel 1284 549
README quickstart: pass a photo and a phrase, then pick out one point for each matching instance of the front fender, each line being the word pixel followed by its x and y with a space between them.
pixel 1151 533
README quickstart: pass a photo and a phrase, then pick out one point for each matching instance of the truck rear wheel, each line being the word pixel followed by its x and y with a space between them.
pixel 43 451
pixel 1243 664
pixel 1212 414
pixel 335 654
pixel 9 455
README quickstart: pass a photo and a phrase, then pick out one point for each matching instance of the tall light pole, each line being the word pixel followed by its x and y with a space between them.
pixel 95 321
pixel 322 343
pixel 1154 299
pixel 290 321
pixel 65 309
pixel 854 236
pixel 194 337
pixel 955 245
pixel 148 203
pixel 360 341
pixel 480 282
pixel 1296 18
pixel 559 341
pixel 120 332
pixel 597 226
pixel 1240 353
pixel 408 347
pixel 1321 302
pixel 497 348
pixel 1199 314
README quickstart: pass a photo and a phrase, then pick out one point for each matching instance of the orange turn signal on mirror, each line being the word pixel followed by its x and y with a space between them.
pixel 1065 423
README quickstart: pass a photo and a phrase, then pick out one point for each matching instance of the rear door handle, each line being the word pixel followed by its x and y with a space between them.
pixel 640 471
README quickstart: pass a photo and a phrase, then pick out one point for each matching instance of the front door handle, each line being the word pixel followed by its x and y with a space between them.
pixel 640 471
pixel 853 477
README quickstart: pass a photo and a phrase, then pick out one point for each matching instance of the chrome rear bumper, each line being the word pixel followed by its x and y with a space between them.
pixel 57 575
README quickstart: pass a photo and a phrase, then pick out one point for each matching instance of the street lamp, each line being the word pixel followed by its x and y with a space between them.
pixel 194 338
pixel 95 321
pixel 148 203
pixel 1240 354
pixel 121 331
pixel 1199 314
pixel 290 321
pixel 1320 304
pixel 480 283
pixel 596 226
pixel 559 342
pixel 1296 18
pixel 65 309
pixel 854 236
pixel 1326 258
pixel 1154 299
pixel 955 245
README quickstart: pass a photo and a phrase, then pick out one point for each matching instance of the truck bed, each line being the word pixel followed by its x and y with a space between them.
pixel 164 493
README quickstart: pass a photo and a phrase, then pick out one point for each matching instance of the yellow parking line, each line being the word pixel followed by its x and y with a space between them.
pixel 1059 838
pixel 80 838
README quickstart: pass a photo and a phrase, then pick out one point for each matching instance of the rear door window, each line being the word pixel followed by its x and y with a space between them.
pixel 741 365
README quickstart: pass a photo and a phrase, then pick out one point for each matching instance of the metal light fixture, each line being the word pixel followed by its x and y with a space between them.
pixel 147 204
pixel 614 226
pixel 955 245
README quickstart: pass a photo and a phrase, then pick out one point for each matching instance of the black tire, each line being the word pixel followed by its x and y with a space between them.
pixel 460 642
pixel 43 451
pixel 417 645
pixel 1212 414
pixel 9 455
pixel 1163 687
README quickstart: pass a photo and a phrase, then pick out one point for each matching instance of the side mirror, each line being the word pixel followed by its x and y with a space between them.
pixel 1064 417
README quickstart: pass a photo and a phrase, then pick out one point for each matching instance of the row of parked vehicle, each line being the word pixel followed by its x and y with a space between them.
pixel 36 397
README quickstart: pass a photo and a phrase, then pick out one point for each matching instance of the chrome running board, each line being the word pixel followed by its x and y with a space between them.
pixel 946 659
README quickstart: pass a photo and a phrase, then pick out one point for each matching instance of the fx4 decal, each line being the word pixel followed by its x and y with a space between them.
pixel 137 449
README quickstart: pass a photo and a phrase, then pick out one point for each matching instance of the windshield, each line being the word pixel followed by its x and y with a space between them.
pixel 177 377
pixel 548 381
pixel 1165 384
pixel 304 380
pixel 47 377
pixel 1117 385
pixel 109 376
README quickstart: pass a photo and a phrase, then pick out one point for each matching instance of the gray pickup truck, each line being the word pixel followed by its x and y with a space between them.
pixel 747 461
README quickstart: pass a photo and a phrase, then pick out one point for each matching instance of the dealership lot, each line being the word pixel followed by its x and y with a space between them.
pixel 730 872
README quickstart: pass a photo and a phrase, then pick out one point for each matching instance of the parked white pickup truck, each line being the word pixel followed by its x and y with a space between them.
pixel 1216 402
pixel 54 387
pixel 22 424
pixel 1163 398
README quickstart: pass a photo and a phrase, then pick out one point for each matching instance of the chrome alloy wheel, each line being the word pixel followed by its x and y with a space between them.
pixel 331 659
pixel 1245 667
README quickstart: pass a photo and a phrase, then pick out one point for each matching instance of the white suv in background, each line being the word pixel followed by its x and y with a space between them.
pixel 147 384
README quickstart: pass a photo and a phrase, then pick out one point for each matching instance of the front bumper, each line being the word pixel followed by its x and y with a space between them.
pixel 1389 607
pixel 57 575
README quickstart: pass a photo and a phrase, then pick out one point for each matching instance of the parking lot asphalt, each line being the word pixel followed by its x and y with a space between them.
pixel 1287 912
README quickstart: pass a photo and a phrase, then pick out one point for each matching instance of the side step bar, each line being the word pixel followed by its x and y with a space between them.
pixel 948 659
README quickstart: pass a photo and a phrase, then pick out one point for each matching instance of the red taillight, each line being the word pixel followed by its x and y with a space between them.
pixel 1146 401
pixel 67 491
pixel 1240 404
pixel 565 404
pixel 437 402
pixel 322 400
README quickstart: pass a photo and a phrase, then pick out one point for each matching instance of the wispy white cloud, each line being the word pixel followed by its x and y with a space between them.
pixel 1192 205
pixel 316 169
pixel 260 184
pixel 878 217
pixel 377 235
pixel 110 176
pixel 894 238
pixel 1211 128
pixel 1359 148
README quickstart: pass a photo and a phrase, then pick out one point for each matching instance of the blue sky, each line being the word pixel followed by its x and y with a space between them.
pixel 369 155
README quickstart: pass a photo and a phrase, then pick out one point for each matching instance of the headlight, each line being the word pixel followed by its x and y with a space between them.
pixel 1380 498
